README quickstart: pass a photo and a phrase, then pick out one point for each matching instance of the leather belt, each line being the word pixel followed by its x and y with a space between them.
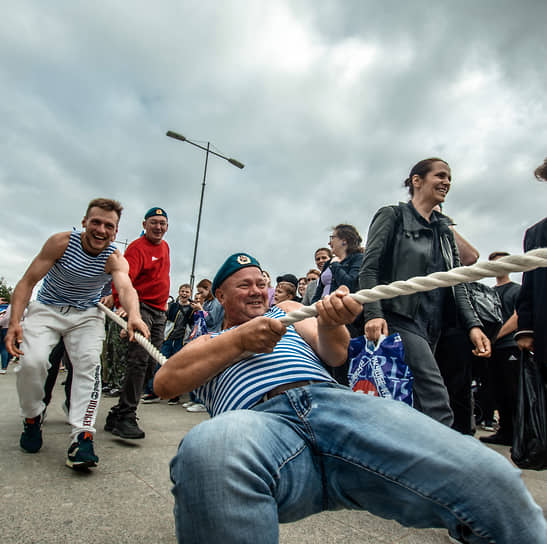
pixel 285 387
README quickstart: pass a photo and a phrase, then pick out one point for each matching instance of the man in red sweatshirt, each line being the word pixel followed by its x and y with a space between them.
pixel 148 258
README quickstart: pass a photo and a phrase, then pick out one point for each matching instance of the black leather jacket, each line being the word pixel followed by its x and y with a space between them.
pixel 399 247
pixel 531 308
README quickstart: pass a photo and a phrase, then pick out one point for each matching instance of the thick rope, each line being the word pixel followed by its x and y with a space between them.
pixel 536 258
pixel 154 352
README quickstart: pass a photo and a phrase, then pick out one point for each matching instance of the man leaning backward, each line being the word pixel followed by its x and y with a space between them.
pixel 286 442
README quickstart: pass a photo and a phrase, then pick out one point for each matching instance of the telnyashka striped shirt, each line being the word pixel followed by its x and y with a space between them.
pixel 76 279
pixel 245 383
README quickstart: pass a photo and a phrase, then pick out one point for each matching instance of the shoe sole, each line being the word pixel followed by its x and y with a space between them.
pixel 29 451
pixel 127 437
pixel 154 401
pixel 80 465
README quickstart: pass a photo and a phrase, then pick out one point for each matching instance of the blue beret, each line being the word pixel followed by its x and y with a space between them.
pixel 232 264
pixel 155 211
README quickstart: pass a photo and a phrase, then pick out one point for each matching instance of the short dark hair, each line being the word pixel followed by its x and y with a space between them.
pixel 289 287
pixel 351 236
pixel 495 254
pixel 328 250
pixel 185 285
pixel 541 171
pixel 421 169
pixel 106 204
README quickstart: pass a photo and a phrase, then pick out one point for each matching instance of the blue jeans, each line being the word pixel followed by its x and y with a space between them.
pixel 3 350
pixel 323 447
pixel 168 348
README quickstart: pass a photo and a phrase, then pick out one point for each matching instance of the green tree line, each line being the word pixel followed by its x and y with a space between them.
pixel 5 290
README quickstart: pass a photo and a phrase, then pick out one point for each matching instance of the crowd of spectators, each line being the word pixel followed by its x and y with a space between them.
pixel 445 342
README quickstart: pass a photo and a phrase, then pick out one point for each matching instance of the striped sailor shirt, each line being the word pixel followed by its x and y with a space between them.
pixel 245 383
pixel 76 279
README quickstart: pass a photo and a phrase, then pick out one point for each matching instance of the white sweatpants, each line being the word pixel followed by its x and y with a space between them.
pixel 83 334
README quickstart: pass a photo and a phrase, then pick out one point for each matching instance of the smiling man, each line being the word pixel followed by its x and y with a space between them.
pixel 149 265
pixel 75 266
pixel 286 441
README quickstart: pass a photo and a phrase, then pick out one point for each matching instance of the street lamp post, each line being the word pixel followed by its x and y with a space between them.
pixel 208 151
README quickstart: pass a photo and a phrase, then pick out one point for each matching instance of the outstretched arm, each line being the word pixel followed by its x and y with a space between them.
pixel 118 267
pixel 205 357
pixel 327 334
pixel 52 250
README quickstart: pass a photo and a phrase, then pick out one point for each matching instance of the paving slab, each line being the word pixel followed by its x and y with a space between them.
pixel 127 498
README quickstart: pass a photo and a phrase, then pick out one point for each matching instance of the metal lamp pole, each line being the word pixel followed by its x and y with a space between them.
pixel 208 151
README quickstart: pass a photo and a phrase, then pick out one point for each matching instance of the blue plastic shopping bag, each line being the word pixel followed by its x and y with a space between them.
pixel 200 327
pixel 379 369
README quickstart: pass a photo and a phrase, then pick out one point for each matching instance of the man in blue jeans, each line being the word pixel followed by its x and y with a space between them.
pixel 285 441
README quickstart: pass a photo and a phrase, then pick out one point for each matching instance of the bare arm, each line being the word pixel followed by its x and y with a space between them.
pixel 327 334
pixel 468 254
pixel 52 250
pixel 509 326
pixel 118 267
pixel 205 357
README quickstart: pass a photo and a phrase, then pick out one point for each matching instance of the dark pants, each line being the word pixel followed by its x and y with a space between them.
pixel 168 348
pixel 503 378
pixel 484 396
pixel 140 365
pixel 455 362
pixel 58 354
pixel 429 392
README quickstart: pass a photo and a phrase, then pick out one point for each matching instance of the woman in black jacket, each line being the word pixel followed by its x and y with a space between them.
pixel 343 267
pixel 412 239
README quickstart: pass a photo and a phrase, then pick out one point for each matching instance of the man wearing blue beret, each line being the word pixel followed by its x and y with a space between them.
pixel 285 441
pixel 149 265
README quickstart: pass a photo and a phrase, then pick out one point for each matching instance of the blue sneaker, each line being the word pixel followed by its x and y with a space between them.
pixel 31 437
pixel 81 454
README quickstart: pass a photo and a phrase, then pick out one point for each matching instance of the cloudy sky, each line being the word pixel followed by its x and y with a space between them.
pixel 327 103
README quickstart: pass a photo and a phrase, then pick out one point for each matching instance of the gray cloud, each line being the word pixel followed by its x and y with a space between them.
pixel 328 104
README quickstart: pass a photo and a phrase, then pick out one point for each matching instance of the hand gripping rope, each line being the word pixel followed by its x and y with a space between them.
pixel 152 350
pixel 531 260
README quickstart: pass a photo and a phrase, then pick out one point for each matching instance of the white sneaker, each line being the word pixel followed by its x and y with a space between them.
pixel 3 370
pixel 187 404
pixel 196 408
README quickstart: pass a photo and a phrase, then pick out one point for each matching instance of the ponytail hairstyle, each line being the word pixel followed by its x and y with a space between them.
pixel 351 236
pixel 420 169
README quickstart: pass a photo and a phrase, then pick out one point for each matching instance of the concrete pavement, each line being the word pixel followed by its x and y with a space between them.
pixel 127 498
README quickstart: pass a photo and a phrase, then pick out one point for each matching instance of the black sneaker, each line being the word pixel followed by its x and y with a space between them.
pixel 126 427
pixel 111 420
pixel 150 398
pixel 497 438
pixel 80 454
pixel 31 437
pixel 173 402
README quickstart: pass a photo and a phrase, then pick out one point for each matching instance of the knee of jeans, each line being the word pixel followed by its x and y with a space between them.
pixel 207 447
pixel 492 471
